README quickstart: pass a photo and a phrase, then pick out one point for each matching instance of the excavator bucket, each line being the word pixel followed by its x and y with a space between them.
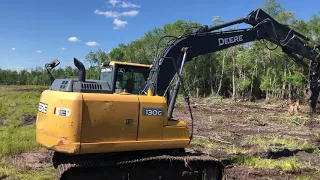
pixel 142 166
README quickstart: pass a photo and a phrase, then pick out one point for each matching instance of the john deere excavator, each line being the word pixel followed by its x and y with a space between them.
pixel 97 132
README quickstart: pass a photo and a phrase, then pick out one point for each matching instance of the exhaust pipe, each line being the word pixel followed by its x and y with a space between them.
pixel 82 70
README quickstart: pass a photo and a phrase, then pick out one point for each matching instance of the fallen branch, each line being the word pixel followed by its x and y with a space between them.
pixel 220 141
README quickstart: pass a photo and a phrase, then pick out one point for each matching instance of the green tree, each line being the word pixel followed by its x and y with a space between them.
pixel 96 58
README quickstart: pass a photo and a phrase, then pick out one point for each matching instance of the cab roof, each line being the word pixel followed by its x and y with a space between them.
pixel 112 63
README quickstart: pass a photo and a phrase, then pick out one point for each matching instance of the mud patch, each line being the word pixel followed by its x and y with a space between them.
pixel 4 176
pixel 2 120
pixel 313 123
pixel 304 153
pixel 309 157
pixel 242 173
pixel 32 161
pixel 28 120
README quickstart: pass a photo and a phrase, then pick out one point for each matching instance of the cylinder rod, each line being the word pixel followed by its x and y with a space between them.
pixel 177 86
pixel 238 21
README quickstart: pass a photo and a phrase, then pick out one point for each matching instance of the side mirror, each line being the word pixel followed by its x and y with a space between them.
pixel 52 64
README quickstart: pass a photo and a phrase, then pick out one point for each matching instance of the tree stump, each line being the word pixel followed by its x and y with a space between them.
pixel 294 107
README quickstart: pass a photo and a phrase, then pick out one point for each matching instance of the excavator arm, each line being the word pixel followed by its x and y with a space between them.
pixel 207 40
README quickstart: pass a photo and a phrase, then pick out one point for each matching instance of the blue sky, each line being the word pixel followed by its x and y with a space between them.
pixel 37 31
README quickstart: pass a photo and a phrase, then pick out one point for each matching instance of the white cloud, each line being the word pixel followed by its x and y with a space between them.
pixel 130 13
pixel 13 49
pixel 106 13
pixel 114 2
pixel 62 49
pixel 128 5
pixel 123 4
pixel 39 51
pixel 92 43
pixel 74 39
pixel 115 14
pixel 119 24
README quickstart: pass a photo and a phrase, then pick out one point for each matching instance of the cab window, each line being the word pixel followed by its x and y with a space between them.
pixel 131 79
pixel 106 75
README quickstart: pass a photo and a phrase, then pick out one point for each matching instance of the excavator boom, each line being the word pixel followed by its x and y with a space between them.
pixel 207 40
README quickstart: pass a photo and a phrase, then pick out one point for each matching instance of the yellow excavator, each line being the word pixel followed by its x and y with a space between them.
pixel 121 126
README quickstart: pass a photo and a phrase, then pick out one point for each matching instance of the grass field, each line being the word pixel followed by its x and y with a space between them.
pixel 253 140
pixel 18 109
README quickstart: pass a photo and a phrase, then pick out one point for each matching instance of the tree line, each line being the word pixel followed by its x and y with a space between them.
pixel 245 70
pixel 39 76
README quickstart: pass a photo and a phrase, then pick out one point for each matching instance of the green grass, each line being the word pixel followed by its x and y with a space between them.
pixel 213 99
pixel 203 142
pixel 288 165
pixel 266 143
pixel 306 177
pixel 292 120
pixel 245 158
pixel 18 140
pixel 15 137
pixel 230 149
pixel 15 104
pixel 14 173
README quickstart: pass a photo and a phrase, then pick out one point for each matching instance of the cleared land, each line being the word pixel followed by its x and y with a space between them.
pixel 256 140
pixel 253 140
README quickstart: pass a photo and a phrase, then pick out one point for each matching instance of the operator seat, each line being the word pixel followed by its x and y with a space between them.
pixel 130 85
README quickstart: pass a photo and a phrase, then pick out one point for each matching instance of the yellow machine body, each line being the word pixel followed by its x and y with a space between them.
pixel 115 128
pixel 99 123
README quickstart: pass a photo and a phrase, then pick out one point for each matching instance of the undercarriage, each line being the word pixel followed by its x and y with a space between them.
pixel 138 165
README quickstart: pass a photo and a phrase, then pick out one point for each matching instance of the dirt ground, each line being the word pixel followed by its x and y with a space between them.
pixel 231 131
pixel 228 126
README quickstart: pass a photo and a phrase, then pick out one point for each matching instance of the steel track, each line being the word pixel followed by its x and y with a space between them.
pixel 137 165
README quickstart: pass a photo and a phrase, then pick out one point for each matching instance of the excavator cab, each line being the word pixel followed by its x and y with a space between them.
pixel 125 77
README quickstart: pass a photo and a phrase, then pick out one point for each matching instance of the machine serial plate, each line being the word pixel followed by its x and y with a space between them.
pixel 152 111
